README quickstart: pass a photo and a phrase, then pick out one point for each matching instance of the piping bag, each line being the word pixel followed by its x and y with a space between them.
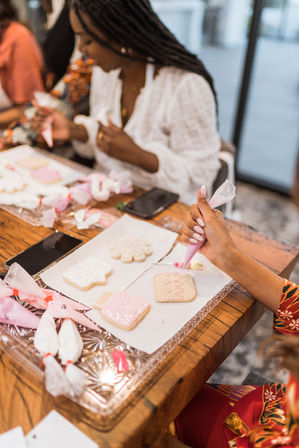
pixel 69 351
pixel 46 343
pixel 224 194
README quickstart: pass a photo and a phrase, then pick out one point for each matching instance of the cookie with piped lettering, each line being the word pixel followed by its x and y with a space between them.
pixel 174 287
pixel 87 273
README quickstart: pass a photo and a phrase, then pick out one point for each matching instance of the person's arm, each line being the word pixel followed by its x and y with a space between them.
pixel 116 143
pixel 25 71
pixel 259 281
pixel 10 115
pixel 62 128
pixel 220 249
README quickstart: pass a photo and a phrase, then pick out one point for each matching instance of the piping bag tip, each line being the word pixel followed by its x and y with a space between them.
pixel 225 193
pixel 191 251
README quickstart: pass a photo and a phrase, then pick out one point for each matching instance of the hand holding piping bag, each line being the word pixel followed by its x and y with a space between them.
pixel 225 193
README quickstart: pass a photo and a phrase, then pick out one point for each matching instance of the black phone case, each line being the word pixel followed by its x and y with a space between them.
pixel 172 197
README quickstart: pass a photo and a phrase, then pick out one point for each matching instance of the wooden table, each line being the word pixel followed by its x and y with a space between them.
pixel 24 401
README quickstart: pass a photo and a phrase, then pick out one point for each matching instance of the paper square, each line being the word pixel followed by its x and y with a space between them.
pixel 13 439
pixel 56 431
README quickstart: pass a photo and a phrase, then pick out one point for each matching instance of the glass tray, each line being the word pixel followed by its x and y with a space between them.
pixel 107 393
pixel 33 217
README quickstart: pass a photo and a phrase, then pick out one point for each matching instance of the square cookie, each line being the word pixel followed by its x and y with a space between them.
pixel 32 163
pixel 174 287
pixel 87 273
pixel 46 175
pixel 125 310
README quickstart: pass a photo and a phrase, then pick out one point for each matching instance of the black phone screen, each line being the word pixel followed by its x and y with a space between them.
pixel 151 203
pixel 40 255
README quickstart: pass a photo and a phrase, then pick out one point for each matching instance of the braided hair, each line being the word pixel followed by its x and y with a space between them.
pixel 133 24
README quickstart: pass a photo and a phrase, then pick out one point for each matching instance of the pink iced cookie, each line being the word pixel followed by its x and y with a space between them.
pixel 46 175
pixel 125 310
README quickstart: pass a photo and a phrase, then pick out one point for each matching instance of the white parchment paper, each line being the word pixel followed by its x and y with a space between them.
pixel 123 273
pixel 164 320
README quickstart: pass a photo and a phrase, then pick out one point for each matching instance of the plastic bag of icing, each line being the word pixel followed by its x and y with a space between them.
pixel 70 350
pixel 224 194
pixel 11 312
pixel 46 343
pixel 46 338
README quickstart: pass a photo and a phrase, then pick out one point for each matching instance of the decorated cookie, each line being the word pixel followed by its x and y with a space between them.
pixel 32 163
pixel 130 249
pixel 11 184
pixel 124 310
pixel 174 287
pixel 46 175
pixel 88 273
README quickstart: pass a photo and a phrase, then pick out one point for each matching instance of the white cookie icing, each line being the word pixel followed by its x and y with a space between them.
pixel 130 248
pixel 11 183
pixel 87 273
pixel 124 309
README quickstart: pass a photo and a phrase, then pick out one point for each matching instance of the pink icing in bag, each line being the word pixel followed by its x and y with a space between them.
pixel 225 193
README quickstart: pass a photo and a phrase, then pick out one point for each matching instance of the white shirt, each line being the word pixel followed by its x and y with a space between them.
pixel 174 118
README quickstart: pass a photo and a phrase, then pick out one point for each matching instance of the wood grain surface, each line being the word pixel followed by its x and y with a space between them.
pixel 24 401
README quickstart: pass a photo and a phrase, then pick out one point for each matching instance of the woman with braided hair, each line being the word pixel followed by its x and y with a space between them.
pixel 152 103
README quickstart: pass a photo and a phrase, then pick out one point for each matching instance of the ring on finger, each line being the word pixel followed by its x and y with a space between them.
pixel 100 136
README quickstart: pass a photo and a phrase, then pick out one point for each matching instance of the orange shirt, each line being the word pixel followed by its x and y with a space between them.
pixel 21 64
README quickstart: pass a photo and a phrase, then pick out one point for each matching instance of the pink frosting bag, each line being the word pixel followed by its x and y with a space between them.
pixel 224 194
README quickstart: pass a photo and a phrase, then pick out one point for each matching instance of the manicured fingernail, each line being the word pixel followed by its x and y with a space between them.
pixel 193 241
pixel 198 230
pixel 197 237
pixel 200 222
pixel 203 191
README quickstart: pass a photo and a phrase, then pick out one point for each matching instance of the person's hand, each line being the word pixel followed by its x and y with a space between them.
pixel 60 124
pixel 202 220
pixel 114 142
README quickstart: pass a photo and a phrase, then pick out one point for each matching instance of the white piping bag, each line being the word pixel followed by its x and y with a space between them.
pixel 46 343
pixel 70 350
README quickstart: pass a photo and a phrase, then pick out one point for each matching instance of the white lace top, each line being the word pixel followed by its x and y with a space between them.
pixel 174 118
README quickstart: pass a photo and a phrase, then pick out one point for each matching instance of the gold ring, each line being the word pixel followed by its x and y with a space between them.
pixel 100 136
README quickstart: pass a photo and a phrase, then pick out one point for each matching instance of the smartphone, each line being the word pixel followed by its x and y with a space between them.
pixel 151 203
pixel 43 253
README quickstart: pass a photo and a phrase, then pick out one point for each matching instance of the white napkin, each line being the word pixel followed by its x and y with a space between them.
pixel 56 431
pixel 13 439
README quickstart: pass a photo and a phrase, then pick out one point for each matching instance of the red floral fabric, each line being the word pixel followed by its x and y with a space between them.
pixel 248 416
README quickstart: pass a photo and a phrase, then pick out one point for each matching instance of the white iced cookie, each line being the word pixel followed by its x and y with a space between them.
pixel 32 163
pixel 124 310
pixel 174 287
pixel 11 184
pixel 87 273
pixel 130 249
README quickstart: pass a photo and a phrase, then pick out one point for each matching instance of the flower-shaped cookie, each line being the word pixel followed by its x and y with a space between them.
pixel 129 249
pixel 11 183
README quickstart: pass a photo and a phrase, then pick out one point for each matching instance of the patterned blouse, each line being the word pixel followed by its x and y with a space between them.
pixel 277 410
pixel 248 416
